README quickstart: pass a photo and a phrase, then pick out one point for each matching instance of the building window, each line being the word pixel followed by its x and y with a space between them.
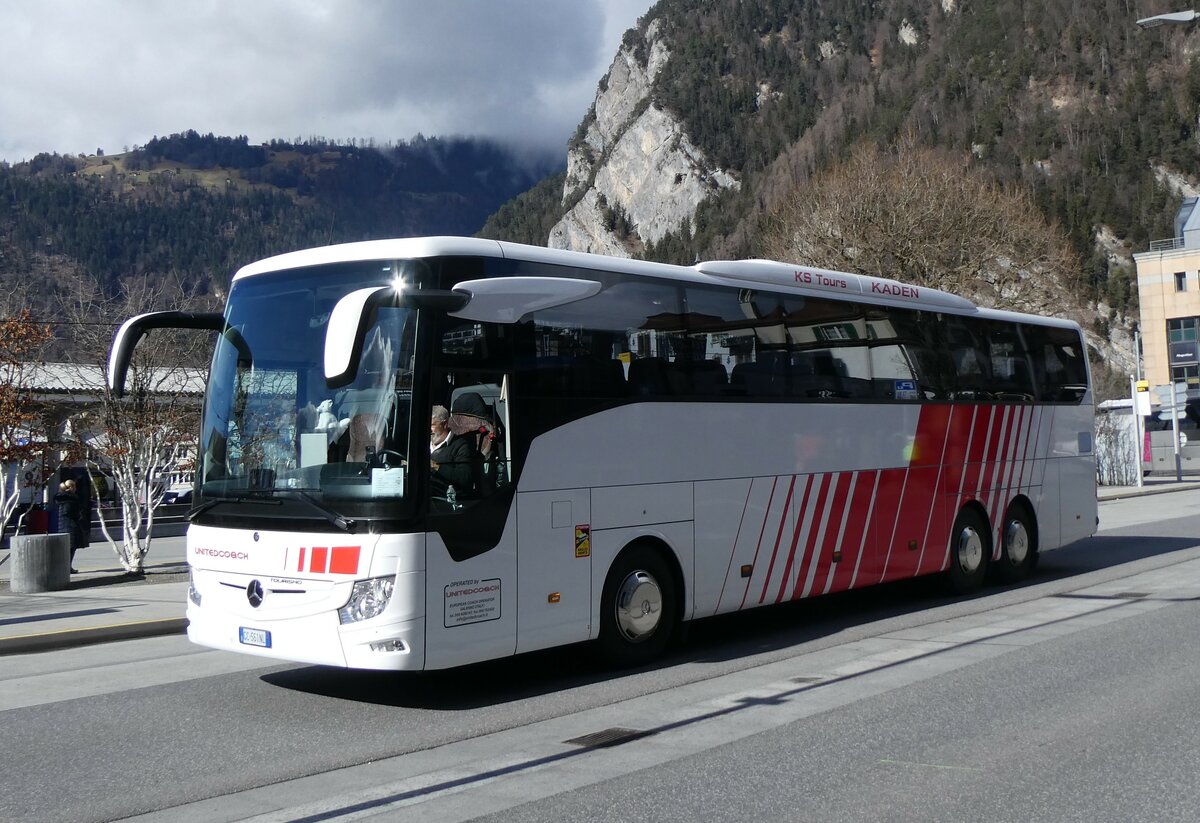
pixel 1186 374
pixel 1180 281
pixel 1183 329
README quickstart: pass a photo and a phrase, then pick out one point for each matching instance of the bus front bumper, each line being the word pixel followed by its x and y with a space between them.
pixel 320 639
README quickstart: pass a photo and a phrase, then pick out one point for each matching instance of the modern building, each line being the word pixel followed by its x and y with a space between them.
pixel 1168 278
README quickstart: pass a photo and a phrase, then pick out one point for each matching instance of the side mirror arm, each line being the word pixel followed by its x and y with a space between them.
pixel 135 328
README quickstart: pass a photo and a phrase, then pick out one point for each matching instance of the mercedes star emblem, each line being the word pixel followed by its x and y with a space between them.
pixel 254 593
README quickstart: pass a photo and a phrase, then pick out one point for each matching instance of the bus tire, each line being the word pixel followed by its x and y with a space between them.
pixel 1018 544
pixel 638 609
pixel 970 550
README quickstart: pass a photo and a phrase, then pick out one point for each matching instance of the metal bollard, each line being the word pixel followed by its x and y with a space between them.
pixel 40 563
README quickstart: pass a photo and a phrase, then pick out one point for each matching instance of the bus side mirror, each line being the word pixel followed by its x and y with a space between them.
pixel 135 328
pixel 351 318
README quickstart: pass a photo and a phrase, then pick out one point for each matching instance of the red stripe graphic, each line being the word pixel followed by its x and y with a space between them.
pixel 937 498
pixel 872 490
pixel 1005 476
pixel 831 540
pixel 854 524
pixel 783 519
pixel 993 493
pixel 958 443
pixel 317 565
pixel 987 472
pixel 344 560
pixel 920 492
pixel 800 519
pixel 1018 449
pixel 300 566
pixel 980 424
pixel 887 503
pixel 962 424
pixel 981 431
pixel 758 545
pixel 818 520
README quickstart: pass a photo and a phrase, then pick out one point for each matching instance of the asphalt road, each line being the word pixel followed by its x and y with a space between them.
pixel 1067 698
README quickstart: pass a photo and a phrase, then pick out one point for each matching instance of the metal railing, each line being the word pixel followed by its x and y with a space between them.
pixel 1170 244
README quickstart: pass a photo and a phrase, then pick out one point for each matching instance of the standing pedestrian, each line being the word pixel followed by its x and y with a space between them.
pixel 70 517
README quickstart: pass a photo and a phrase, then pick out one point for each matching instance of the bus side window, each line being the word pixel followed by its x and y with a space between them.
pixel 1058 361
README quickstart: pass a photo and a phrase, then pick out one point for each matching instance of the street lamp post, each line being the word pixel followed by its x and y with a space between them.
pixel 1174 18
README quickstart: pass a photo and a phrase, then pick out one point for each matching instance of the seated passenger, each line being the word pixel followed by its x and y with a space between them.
pixel 450 457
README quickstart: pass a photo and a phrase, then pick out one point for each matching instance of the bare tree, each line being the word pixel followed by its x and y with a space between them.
pixel 152 430
pixel 1118 454
pixel 23 443
pixel 927 217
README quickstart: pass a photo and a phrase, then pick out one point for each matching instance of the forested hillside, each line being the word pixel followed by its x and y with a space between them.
pixel 1069 101
pixel 192 207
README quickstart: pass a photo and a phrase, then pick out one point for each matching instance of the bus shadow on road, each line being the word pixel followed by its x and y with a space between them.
pixel 1105 551
pixel 778 628
pixel 475 686
pixel 721 642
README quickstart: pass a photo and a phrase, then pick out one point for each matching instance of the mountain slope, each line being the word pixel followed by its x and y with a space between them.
pixel 718 110
pixel 195 207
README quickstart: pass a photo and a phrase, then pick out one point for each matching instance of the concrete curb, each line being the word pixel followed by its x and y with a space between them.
pixel 1134 491
pixel 73 638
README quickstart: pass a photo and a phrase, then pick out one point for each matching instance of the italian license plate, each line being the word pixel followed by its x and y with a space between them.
pixel 254 637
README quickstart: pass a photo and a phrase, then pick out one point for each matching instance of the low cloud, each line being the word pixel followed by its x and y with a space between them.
pixel 114 73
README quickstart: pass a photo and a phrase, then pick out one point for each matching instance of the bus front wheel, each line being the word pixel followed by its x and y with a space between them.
pixel 970 549
pixel 638 611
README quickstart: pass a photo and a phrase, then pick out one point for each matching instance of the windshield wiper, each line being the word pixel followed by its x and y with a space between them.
pixel 272 497
pixel 344 523
pixel 260 497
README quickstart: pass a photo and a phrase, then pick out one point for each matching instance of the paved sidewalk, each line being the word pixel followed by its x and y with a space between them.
pixel 1151 485
pixel 103 604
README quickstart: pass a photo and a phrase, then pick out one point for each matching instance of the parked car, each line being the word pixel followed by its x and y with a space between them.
pixel 178 494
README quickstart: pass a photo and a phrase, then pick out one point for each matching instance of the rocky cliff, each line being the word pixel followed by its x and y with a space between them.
pixel 634 161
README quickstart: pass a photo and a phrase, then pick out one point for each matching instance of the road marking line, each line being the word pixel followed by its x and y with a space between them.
pixel 942 766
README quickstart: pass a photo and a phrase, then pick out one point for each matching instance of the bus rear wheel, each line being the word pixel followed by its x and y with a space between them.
pixel 970 549
pixel 638 609
pixel 1018 544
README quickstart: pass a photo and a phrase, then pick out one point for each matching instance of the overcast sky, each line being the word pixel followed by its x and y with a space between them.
pixel 85 74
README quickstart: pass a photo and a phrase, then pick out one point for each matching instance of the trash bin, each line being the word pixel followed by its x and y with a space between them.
pixel 40 562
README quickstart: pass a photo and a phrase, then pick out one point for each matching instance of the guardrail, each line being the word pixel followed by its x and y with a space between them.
pixel 1170 244
pixel 169 521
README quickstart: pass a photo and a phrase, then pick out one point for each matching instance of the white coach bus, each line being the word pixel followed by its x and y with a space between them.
pixel 632 445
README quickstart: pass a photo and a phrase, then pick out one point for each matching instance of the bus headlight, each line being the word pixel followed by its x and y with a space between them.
pixel 368 599
pixel 193 593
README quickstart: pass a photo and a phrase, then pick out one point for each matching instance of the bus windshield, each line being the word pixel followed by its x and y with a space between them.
pixel 274 433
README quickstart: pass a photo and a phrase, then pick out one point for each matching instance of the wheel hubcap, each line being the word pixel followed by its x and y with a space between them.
pixel 1016 542
pixel 970 550
pixel 639 606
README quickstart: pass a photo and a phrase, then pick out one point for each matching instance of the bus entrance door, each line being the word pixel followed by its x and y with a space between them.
pixel 555 574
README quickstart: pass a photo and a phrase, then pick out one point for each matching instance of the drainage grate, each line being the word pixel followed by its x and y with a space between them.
pixel 1114 596
pixel 806 680
pixel 607 738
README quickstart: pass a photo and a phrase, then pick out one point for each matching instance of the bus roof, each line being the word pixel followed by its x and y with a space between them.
pixel 786 277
